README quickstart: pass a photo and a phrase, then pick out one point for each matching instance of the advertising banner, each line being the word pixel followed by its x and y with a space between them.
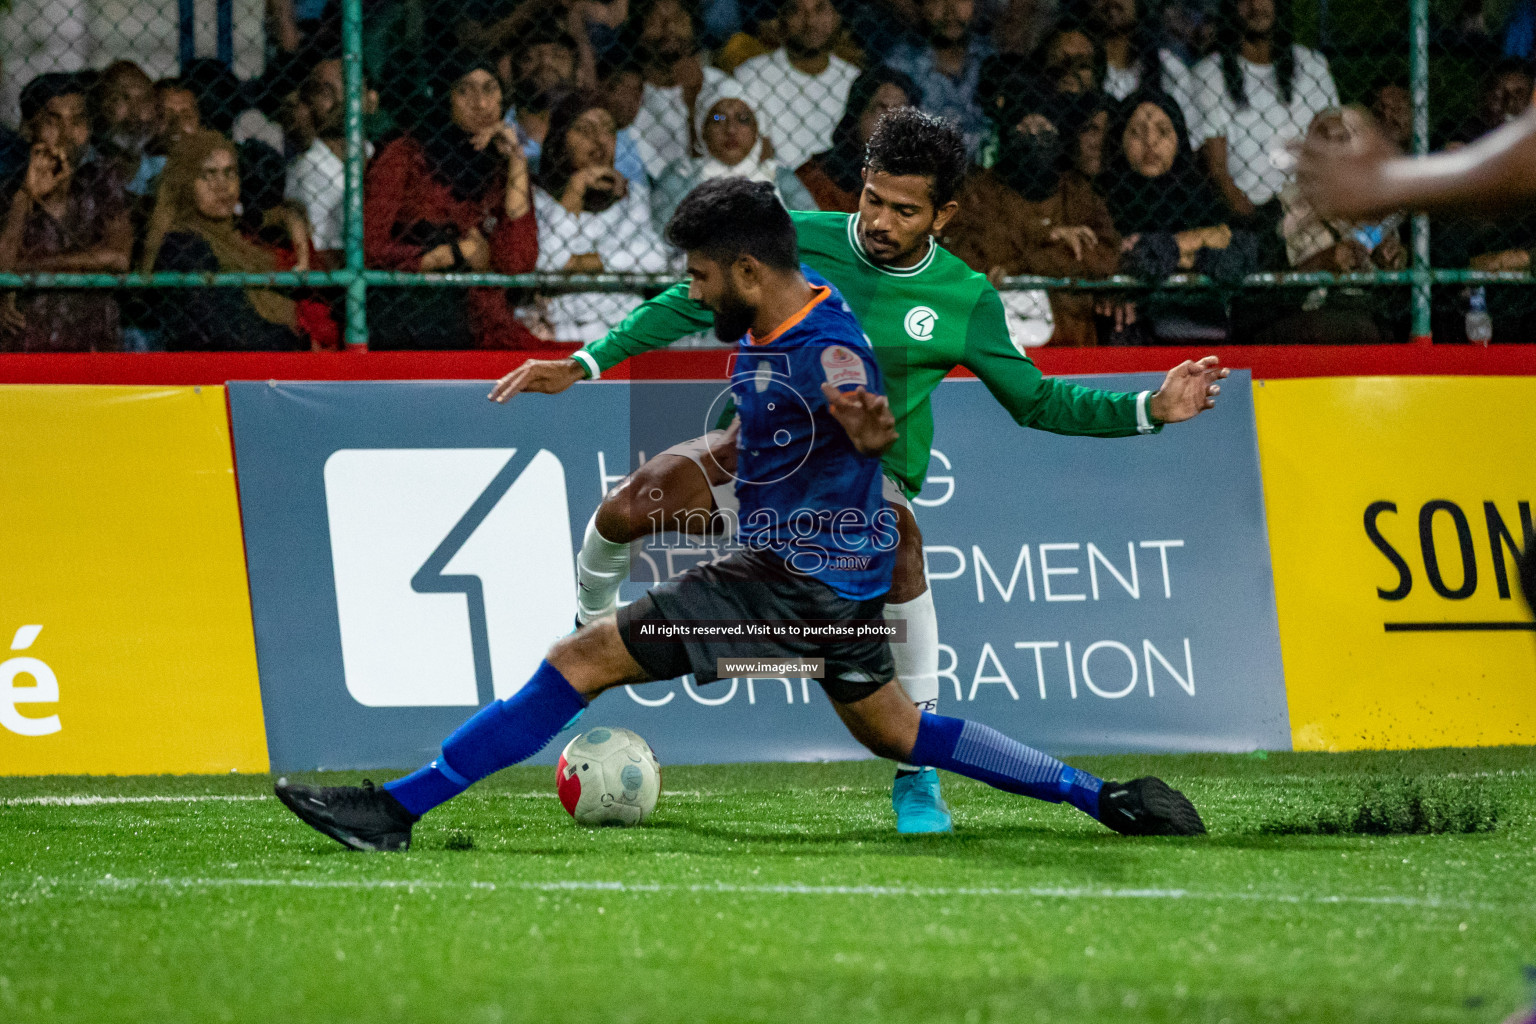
pixel 1396 505
pixel 411 550
pixel 125 626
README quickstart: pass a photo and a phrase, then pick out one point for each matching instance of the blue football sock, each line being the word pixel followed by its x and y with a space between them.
pixel 496 736
pixel 980 752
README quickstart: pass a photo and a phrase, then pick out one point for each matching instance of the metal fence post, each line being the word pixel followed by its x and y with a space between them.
pixel 1418 34
pixel 352 69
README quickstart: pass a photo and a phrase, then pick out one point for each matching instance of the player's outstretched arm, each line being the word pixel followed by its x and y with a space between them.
pixel 1189 389
pixel 539 376
pixel 866 417
pixel 654 324
pixel 1040 402
pixel 1368 178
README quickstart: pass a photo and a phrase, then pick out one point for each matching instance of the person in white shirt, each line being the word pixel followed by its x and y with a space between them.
pixel 590 221
pixel 1256 94
pixel 800 89
pixel 661 33
pixel 317 177
pixel 1133 61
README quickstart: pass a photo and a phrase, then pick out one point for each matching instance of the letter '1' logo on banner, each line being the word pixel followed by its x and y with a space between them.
pixel 453 571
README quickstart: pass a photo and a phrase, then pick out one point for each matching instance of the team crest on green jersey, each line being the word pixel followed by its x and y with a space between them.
pixel 920 323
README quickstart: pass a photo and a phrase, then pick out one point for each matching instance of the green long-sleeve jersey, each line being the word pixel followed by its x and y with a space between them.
pixel 923 321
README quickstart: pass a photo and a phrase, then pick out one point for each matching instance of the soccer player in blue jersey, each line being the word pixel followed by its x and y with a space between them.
pixel 819 546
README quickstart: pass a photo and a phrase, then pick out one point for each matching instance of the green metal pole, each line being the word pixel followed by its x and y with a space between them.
pixel 352 69
pixel 1418 20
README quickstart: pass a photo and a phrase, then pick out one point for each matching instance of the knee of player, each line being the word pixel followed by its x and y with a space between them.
pixel 622 515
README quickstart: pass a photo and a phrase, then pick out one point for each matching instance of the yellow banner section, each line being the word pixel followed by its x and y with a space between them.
pixel 1395 504
pixel 125 622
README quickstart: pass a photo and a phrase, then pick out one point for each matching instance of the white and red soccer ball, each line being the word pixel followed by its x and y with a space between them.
pixel 608 776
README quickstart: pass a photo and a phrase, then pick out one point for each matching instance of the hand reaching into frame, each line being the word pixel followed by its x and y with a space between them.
pixel 866 417
pixel 1189 389
pixel 540 376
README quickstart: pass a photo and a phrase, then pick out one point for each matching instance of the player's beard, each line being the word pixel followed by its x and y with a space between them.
pixel 733 318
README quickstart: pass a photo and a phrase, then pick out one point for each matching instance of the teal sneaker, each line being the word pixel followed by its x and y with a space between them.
pixel 919 807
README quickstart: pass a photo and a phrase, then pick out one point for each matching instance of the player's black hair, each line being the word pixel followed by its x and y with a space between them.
pixel 908 141
pixel 730 217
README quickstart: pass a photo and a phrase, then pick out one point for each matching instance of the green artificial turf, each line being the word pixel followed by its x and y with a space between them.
pixel 782 893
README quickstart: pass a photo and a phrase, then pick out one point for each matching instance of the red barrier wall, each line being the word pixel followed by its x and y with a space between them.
pixel 1268 363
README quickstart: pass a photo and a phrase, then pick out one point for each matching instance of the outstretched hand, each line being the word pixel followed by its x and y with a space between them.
pixel 1189 389
pixel 541 376
pixel 1346 181
pixel 867 418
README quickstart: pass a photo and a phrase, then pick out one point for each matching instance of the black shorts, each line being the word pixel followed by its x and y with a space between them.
pixel 755 586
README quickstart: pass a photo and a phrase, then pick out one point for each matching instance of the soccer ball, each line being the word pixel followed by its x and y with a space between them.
pixel 608 776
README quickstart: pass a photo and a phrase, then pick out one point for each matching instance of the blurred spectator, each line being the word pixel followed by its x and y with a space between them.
pixel 1257 93
pixel 1171 220
pixel 226 103
pixel 1504 96
pixel 1520 30
pixel 542 68
pixel 1333 316
pixel 1133 60
pixel 1018 26
pixel 1466 30
pixel 764 33
pixel 127 115
pixel 452 195
pixel 622 87
pixel 14 155
pixel 947 68
pixel 263 182
pixel 733 147
pixel 290 23
pixel 1188 30
pixel 220 96
pixel 317 177
pixel 590 220
pixel 1393 109
pixel 661 35
pixel 179 113
pixel 67 215
pixel 193 229
pixel 836 177
pixel 483 26
pixel 1069 60
pixel 1025 215
pixel 799 89
pixel 1085 143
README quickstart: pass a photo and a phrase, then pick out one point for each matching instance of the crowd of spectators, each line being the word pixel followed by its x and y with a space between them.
pixel 557 136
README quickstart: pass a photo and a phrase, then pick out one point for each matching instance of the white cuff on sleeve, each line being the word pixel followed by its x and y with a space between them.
pixel 593 371
pixel 1144 423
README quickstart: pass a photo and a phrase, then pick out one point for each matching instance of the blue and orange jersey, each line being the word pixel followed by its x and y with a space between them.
pixel 807 494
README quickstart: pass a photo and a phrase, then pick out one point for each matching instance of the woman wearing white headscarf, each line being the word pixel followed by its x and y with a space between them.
pixel 726 128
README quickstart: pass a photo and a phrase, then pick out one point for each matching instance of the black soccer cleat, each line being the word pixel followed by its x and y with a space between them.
pixel 1148 806
pixel 361 817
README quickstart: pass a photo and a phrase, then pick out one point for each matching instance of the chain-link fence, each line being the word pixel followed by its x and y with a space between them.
pixel 228 174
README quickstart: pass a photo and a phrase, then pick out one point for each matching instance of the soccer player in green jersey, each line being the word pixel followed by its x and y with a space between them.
pixel 926 313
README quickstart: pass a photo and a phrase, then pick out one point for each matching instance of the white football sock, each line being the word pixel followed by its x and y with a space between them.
pixel 917 660
pixel 600 568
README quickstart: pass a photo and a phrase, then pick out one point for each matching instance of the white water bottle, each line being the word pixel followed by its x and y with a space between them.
pixel 1479 324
